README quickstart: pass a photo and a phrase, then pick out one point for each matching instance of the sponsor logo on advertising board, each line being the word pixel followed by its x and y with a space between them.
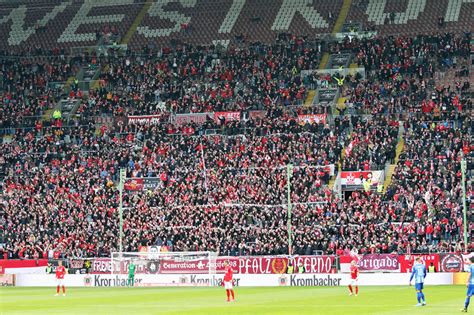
pixel 451 263
pixel 87 281
pixel 7 280
pixel 115 281
pixel 314 281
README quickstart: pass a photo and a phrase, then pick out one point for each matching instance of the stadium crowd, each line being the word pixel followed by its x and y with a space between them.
pixel 197 79
pixel 227 191
pixel 31 86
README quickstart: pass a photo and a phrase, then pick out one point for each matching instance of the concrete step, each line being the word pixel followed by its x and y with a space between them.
pixel 324 61
pixel 391 169
pixel 309 99
pixel 341 18
pixel 137 22
pixel 388 177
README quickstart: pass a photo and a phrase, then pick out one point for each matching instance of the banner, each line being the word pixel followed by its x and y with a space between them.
pixel 241 265
pixel 252 265
pixel 134 184
pixel 355 178
pixel 102 266
pixel 311 119
pixel 407 261
pixel 16 265
pixel 451 263
pixel 151 183
pixel 79 266
pixel 379 262
pixel 371 262
pixel 227 116
pixel 145 183
pixel 74 266
pixel 145 120
pixel 199 118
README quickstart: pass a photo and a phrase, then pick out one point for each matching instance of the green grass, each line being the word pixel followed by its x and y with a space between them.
pixel 257 300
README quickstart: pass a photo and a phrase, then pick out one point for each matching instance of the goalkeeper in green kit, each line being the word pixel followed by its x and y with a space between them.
pixel 131 274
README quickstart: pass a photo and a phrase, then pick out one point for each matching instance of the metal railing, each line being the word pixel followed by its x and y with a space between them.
pixel 372 167
pixel 331 72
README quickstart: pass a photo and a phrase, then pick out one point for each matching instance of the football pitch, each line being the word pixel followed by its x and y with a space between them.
pixel 256 300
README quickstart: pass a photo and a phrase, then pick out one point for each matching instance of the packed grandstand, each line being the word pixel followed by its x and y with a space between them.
pixel 212 106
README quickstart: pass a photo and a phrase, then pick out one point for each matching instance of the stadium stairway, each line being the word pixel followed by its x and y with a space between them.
pixel 341 18
pixel 346 6
pixel 94 86
pixel 128 35
pixel 309 98
pixel 340 100
pixel 388 177
pixel 332 181
pixel 137 22
pixel 324 61
pixel 391 169
pixel 49 112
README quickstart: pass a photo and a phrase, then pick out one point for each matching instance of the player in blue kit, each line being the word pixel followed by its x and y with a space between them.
pixel 419 273
pixel 470 285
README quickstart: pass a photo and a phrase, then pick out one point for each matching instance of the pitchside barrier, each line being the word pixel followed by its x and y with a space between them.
pixel 240 280
pixel 376 269
pixel 371 263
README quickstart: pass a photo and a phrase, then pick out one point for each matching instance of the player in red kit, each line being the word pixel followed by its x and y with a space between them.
pixel 228 281
pixel 354 278
pixel 60 273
